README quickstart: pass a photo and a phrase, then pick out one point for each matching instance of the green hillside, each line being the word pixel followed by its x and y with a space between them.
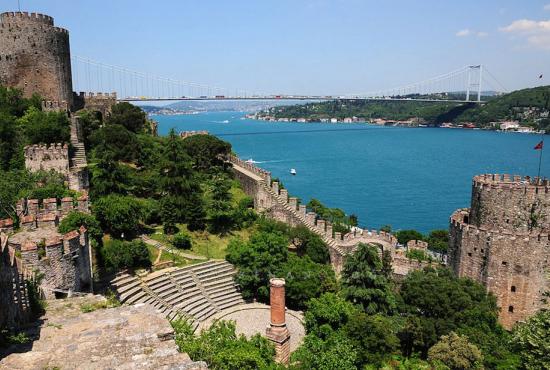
pixel 529 106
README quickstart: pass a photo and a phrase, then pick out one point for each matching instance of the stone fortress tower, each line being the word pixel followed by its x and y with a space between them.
pixel 35 56
pixel 503 242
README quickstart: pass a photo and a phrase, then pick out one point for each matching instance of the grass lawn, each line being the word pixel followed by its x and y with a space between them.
pixel 203 243
pixel 166 256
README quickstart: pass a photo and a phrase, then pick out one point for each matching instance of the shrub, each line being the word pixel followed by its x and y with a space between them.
pixel 182 240
pixel 75 219
pixel 119 254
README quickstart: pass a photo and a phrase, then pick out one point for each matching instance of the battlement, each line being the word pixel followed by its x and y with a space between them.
pixel 459 221
pixel 55 247
pixel 47 157
pixel 34 210
pixel 54 106
pixel 266 175
pixel 25 17
pixel 511 182
pixel 417 244
pixel 97 95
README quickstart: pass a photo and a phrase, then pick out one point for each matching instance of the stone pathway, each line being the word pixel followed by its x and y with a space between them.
pixel 165 248
pixel 253 318
pixel 125 337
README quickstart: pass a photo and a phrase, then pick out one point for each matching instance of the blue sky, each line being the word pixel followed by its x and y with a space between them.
pixel 309 46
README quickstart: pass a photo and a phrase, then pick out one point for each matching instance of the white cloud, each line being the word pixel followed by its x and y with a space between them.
pixel 468 32
pixel 536 33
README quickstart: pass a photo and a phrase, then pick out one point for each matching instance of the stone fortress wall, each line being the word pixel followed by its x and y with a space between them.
pixel 35 56
pixel 503 242
pixel 63 261
pixel 277 204
pixel 14 296
pixel 47 157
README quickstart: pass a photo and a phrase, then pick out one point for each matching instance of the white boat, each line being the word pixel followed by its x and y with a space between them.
pixel 292 171
pixel 251 161
pixel 225 121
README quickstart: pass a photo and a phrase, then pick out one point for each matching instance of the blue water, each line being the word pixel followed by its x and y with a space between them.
pixel 404 177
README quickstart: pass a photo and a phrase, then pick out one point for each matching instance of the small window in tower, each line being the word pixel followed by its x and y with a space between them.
pixel 513 288
pixel 475 249
pixel 504 263
pixel 469 255
pixel 510 308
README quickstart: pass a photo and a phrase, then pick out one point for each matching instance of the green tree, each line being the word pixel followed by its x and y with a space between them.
pixel 531 341
pixel 456 352
pixel 221 215
pixel 327 313
pixel 305 279
pixel 119 254
pixel 309 244
pixel 435 303
pixel 115 141
pixel 221 348
pixel 207 152
pixel 438 240
pixel 45 127
pixel 10 143
pixel 118 215
pixel 374 337
pixel 331 352
pixel 89 123
pixel 133 118
pixel 75 219
pixel 364 281
pixel 403 236
pixel 257 261
pixel 182 240
pixel 108 177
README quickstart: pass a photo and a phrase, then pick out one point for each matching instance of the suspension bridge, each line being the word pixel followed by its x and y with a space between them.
pixel 463 85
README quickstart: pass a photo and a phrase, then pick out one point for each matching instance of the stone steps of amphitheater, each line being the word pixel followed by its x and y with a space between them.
pixel 195 292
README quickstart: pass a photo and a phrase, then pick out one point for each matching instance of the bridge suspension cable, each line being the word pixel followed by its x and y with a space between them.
pixel 91 75
pixel 462 84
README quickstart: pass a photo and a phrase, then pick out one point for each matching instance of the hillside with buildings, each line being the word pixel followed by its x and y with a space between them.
pixel 527 107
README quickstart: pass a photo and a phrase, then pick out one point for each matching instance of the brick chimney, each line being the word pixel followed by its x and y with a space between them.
pixel 277 332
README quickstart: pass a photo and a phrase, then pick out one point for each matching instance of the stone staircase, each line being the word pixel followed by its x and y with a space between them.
pixel 328 239
pixel 194 292
pixel 78 157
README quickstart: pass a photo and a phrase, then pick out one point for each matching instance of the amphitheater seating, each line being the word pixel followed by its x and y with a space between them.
pixel 195 292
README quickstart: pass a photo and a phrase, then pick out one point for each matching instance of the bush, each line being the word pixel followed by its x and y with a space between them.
pixel 182 240
pixel 119 254
pixel 118 215
pixel 45 127
pixel 221 348
pixel 403 236
pixel 75 219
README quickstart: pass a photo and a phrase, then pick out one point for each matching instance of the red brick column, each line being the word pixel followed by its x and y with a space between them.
pixel 277 332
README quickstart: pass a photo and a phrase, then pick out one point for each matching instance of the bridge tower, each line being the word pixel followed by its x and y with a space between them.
pixel 475 75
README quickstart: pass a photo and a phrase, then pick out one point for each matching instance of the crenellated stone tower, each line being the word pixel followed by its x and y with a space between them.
pixel 35 56
pixel 503 242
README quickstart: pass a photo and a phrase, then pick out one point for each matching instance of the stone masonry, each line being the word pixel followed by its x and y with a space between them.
pixel 276 203
pixel 502 241
pixel 35 56
pixel 63 260
pixel 14 298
